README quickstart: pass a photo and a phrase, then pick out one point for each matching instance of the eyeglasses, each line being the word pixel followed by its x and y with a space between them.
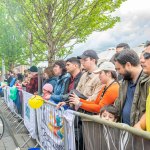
pixel 146 55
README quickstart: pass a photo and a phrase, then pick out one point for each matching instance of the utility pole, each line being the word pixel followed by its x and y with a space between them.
pixel 30 43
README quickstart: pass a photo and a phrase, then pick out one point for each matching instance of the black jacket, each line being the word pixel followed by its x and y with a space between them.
pixel 76 81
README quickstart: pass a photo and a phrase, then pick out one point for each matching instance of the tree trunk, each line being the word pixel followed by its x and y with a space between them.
pixel 50 43
pixel 51 55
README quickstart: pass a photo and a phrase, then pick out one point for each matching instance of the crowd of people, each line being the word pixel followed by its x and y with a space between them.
pixel 116 90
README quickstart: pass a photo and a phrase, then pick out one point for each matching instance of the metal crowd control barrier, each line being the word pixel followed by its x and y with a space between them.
pixel 50 127
pixel 99 134
pixel 69 130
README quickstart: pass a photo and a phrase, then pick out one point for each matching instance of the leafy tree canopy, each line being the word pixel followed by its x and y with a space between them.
pixel 55 23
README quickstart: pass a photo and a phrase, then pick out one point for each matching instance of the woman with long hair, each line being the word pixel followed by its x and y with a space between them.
pixel 49 77
pixel 59 69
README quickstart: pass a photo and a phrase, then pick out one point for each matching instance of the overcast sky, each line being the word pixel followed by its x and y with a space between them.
pixel 134 28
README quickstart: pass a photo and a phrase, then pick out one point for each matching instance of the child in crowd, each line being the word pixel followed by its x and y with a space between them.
pixel 109 113
pixel 47 91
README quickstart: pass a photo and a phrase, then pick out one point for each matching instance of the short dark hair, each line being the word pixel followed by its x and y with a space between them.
pixel 124 45
pixel 147 44
pixel 111 109
pixel 127 56
pixel 10 71
pixel 20 77
pixel 61 64
pixel 74 60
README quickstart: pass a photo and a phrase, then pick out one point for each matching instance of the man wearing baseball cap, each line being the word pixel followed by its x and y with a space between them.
pixel 89 53
pixel 89 84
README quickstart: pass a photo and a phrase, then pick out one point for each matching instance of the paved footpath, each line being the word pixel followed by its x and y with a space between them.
pixel 11 140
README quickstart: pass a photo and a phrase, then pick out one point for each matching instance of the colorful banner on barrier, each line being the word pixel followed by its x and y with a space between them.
pixel 50 127
pixel 97 136
pixel 29 115
pixel 69 129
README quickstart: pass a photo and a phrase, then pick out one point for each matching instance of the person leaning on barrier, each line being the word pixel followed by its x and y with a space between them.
pixel 10 76
pixel 47 91
pixel 89 84
pixel 49 77
pixel 19 81
pixel 144 122
pixel 120 47
pixel 59 69
pixel 32 85
pixel 110 113
pixel 72 67
pixel 133 88
pixel 107 94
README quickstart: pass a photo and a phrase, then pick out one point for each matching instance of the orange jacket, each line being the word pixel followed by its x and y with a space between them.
pixel 108 98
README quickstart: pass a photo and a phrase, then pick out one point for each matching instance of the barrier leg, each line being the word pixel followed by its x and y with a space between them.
pixel 19 124
pixel 36 145
pixel 15 121
pixel 2 104
pixel 19 129
pixel 6 108
pixel 26 142
pixel 8 115
pixel 12 116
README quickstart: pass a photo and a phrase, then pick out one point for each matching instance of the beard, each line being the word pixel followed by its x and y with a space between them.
pixel 127 76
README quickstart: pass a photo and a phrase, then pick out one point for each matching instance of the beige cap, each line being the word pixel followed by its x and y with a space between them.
pixel 108 66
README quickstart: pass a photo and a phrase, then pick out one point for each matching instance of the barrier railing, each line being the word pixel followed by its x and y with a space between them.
pixel 105 135
pixel 66 129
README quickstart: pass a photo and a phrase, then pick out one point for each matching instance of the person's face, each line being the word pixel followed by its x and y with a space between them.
pixel 81 64
pixel 125 71
pixel 108 116
pixel 70 67
pixel 45 91
pixel 145 60
pixel 31 74
pixel 103 77
pixel 87 63
pixel 119 49
pixel 45 75
pixel 57 70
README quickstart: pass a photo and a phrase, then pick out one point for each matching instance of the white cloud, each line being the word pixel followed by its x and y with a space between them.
pixel 133 28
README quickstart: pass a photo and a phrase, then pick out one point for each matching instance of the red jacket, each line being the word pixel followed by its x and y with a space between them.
pixel 32 87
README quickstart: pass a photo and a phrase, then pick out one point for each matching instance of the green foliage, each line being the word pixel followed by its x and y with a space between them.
pixel 55 23
pixel 12 42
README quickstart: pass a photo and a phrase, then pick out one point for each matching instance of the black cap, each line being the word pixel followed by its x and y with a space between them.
pixel 88 53
pixel 33 69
